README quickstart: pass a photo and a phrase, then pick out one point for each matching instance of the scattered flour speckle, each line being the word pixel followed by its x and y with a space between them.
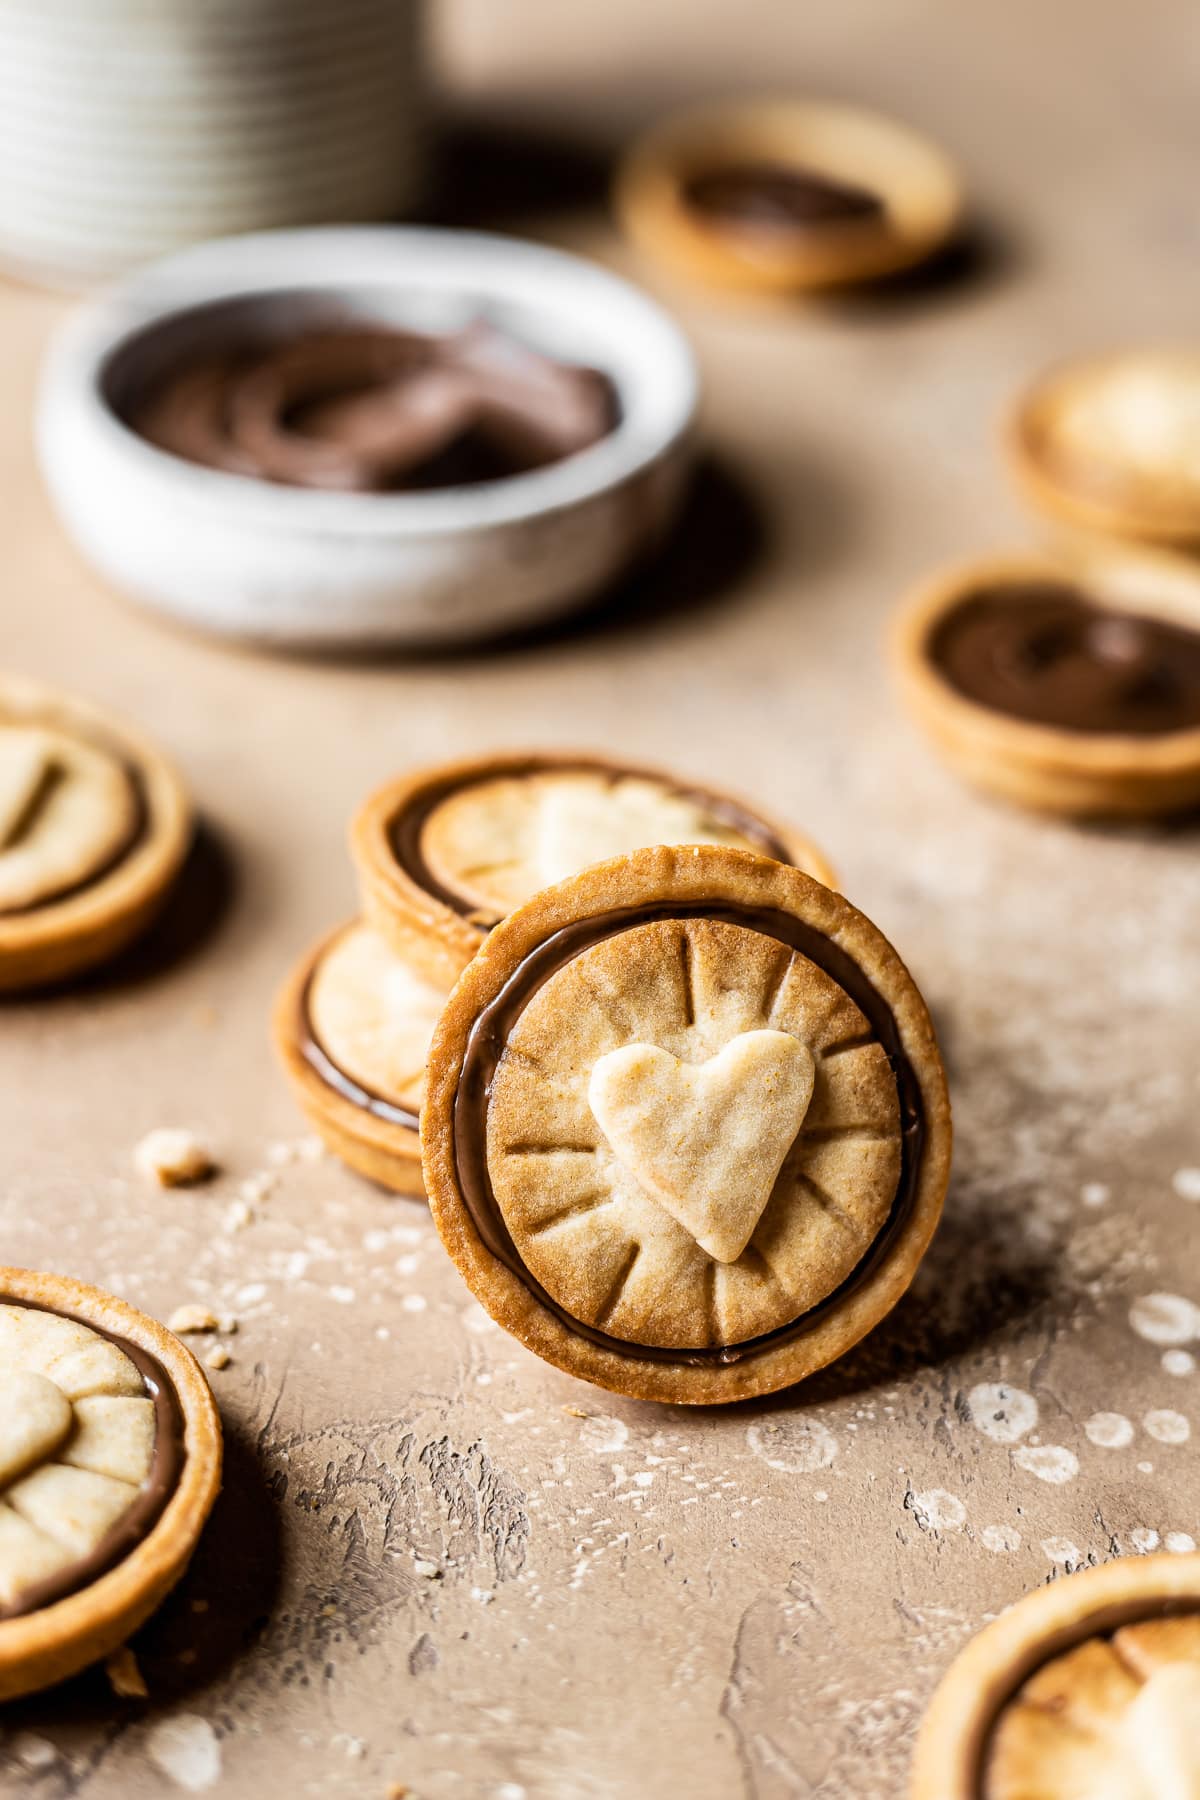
pixel 1049 1462
pixel 1165 1318
pixel 1109 1430
pixel 1000 1538
pixel 1143 1540
pixel 1179 1543
pixel 185 1748
pixel 798 1446
pixel 1095 1193
pixel 1167 1427
pixel 1186 1183
pixel 1003 1413
pixel 1178 1362
pixel 602 1433
pixel 1062 1550
pixel 936 1510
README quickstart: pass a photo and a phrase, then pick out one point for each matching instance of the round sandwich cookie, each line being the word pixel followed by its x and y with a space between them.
pixel 110 1460
pixel 1088 1689
pixel 1112 444
pixel 779 196
pixel 1073 691
pixel 443 854
pixel 686 1132
pixel 94 826
pixel 352 1028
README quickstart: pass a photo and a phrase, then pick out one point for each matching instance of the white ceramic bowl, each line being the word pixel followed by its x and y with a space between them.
pixel 290 566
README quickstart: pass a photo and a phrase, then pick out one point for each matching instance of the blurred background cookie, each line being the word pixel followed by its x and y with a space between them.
pixel 1066 691
pixel 94 827
pixel 1112 444
pixel 780 196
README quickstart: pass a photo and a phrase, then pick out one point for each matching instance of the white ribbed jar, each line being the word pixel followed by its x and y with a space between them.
pixel 131 127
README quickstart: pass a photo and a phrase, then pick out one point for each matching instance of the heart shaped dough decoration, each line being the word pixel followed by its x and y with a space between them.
pixel 706 1140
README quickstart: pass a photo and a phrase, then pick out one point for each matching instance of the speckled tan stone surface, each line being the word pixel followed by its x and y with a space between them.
pixel 437 1563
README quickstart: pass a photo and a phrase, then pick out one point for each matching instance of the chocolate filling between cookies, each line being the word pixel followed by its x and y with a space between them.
pixel 489 1037
pixel 335 1077
pixel 144 1512
pixel 405 828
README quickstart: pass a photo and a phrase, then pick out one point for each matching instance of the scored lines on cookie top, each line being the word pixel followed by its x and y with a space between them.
pixel 627 1266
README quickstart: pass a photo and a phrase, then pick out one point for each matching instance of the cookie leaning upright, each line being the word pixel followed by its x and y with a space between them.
pixel 110 1461
pixel 94 827
pixel 686 1131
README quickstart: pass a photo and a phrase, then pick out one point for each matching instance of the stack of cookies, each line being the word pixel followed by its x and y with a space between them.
pixel 678 1108
pixel 443 854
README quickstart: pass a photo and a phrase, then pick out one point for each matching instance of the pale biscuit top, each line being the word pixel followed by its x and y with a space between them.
pixel 67 809
pixel 693 1135
pixel 373 1015
pixel 1113 1719
pixel 495 843
pixel 77 1432
pixel 1140 415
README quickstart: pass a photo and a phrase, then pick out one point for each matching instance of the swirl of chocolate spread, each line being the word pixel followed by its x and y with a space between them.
pixel 371 409
pixel 1044 652
pixel 778 197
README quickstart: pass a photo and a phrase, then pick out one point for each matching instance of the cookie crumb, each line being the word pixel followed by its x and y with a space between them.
pixel 218 1358
pixel 171 1156
pixel 125 1677
pixel 259 1187
pixel 192 1318
pixel 34 1752
pixel 238 1215
pixel 576 1412
pixel 397 1790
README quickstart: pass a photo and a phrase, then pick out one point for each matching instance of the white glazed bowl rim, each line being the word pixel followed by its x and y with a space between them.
pixel 617 328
